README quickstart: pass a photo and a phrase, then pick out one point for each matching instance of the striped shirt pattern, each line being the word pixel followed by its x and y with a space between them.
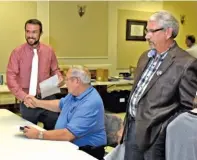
pixel 152 67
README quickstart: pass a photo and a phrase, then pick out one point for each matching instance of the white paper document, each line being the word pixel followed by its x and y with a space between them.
pixel 49 86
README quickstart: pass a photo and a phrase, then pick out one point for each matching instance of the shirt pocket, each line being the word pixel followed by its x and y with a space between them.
pixel 71 112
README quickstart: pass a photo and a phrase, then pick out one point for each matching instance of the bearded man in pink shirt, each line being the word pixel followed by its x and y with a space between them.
pixel 19 71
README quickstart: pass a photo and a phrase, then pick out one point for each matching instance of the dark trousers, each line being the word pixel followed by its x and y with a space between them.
pixel 132 151
pixel 35 115
pixel 97 152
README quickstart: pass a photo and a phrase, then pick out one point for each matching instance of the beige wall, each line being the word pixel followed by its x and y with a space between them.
pixel 128 52
pixel 75 36
pixel 43 16
pixel 109 32
pixel 189 9
pixel 12 17
pixel 117 49
pixel 112 58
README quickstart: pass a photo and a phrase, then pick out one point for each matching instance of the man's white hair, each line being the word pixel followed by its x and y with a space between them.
pixel 166 20
pixel 81 72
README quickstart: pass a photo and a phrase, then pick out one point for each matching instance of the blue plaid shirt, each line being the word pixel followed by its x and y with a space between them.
pixel 152 67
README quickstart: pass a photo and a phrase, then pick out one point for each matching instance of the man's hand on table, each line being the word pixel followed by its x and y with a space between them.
pixel 31 132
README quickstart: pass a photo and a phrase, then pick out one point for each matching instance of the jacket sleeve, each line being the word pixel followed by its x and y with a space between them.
pixel 188 85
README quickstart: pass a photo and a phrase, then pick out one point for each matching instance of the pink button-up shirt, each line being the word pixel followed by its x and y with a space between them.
pixel 19 68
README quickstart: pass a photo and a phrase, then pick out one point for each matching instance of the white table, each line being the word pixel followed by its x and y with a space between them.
pixel 107 83
pixel 6 97
pixel 119 82
pixel 14 145
pixel 4 88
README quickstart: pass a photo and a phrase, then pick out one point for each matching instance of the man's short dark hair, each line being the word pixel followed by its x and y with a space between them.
pixel 34 21
pixel 191 38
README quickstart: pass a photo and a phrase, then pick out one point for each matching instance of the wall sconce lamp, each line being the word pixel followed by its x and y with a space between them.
pixel 182 19
pixel 81 10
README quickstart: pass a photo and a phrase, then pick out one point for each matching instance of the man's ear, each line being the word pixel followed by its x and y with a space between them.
pixel 169 33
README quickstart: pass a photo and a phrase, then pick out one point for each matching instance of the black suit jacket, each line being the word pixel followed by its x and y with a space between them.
pixel 168 92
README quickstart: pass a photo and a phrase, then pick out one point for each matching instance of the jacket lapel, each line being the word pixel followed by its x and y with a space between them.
pixel 138 75
pixel 168 60
pixel 140 71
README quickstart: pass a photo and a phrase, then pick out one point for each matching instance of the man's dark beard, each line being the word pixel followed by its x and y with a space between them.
pixel 35 43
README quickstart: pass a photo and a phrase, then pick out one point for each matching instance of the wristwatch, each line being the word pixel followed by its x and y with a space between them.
pixel 40 135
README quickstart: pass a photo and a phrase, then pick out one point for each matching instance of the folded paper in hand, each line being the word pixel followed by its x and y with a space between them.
pixel 49 86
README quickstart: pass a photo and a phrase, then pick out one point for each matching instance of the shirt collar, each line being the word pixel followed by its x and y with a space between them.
pixel 82 95
pixel 31 48
pixel 153 53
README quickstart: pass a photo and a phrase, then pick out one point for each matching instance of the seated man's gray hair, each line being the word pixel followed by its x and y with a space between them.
pixel 82 73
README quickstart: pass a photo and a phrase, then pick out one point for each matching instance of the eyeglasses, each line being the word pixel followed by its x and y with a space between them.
pixel 68 78
pixel 153 30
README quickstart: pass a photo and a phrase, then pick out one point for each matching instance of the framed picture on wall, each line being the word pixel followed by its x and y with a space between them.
pixel 135 30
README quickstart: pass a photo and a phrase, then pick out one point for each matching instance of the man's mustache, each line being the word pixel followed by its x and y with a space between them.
pixel 30 38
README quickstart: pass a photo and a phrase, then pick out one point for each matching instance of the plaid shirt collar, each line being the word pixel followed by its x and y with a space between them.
pixel 153 52
pixel 152 67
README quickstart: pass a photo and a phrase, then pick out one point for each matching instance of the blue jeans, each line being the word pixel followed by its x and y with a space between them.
pixel 132 151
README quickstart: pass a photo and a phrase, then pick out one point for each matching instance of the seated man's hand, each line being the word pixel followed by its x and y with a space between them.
pixel 30 101
pixel 31 132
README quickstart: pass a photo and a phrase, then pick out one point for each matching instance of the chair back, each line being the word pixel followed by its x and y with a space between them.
pixel 113 124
